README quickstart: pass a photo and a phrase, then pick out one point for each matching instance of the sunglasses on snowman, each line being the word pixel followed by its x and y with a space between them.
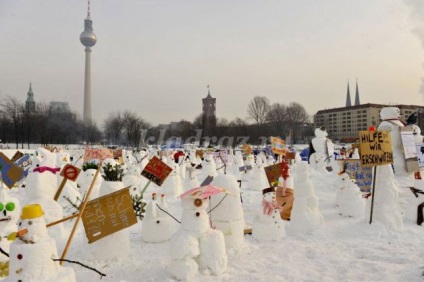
pixel 9 206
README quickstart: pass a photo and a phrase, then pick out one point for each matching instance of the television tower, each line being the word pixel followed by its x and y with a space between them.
pixel 88 39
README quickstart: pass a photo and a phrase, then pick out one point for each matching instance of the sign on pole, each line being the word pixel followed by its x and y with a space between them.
pixel 278 146
pixel 408 143
pixel 108 214
pixel 375 147
pixel 273 173
pixel 362 175
pixel 10 173
pixel 97 154
pixel 156 171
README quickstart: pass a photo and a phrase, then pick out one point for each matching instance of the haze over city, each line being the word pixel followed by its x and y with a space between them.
pixel 157 57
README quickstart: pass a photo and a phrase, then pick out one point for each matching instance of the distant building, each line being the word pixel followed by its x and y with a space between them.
pixel 59 107
pixel 344 123
pixel 30 102
pixel 208 114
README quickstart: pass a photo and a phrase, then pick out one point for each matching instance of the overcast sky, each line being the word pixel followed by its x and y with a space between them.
pixel 156 57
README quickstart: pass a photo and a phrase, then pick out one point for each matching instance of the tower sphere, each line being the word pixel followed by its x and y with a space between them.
pixel 88 38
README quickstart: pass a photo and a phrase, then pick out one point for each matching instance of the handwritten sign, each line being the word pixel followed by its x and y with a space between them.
pixel 10 172
pixel 420 155
pixel 375 147
pixel 97 154
pixel 278 146
pixel 362 175
pixel 156 171
pixel 273 173
pixel 108 214
pixel 70 172
pixel 17 156
pixel 409 149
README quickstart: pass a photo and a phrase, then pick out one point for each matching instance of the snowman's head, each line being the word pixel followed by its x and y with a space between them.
pixel 416 130
pixel 63 158
pixel 321 132
pixel 269 194
pixel 46 158
pixel 32 226
pixel 9 208
pixel 135 170
pixel 390 113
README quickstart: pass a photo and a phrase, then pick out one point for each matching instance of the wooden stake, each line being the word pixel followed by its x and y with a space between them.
pixel 59 190
pixel 71 236
pixel 373 192
pixel 62 220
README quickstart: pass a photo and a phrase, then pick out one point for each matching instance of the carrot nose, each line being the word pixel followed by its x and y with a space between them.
pixel 21 232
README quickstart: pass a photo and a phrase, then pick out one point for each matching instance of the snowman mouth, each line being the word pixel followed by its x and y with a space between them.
pixel 6 219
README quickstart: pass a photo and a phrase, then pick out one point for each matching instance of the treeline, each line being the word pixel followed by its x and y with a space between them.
pixel 126 128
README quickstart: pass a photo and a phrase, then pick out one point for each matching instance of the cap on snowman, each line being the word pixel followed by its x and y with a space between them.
pixel 32 211
pixel 268 190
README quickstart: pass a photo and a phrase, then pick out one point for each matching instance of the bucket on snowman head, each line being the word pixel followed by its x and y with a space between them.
pixel 31 211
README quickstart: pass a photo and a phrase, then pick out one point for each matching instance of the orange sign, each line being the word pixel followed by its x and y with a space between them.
pixel 278 146
pixel 156 171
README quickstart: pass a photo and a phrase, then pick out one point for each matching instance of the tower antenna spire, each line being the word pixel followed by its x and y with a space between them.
pixel 88 10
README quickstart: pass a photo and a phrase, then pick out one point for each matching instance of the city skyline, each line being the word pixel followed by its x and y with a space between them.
pixel 152 51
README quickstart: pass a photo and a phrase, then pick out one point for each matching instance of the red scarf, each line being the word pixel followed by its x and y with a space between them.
pixel 42 169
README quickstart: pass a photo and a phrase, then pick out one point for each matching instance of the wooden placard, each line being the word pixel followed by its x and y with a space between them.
pixel 70 172
pixel 10 173
pixel 273 172
pixel 376 148
pixel 362 175
pixel 156 171
pixel 409 148
pixel 97 154
pixel 108 214
pixel 17 156
pixel 278 146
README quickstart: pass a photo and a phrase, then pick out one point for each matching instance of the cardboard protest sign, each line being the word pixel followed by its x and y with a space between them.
pixel 362 175
pixel 25 164
pixel 10 173
pixel 247 149
pixel 108 214
pixel 278 146
pixel 97 154
pixel 156 171
pixel 408 143
pixel 273 172
pixel 70 172
pixel 376 148
pixel 420 155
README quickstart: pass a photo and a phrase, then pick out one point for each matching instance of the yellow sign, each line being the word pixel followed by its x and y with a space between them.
pixel 375 147
pixel 278 146
pixel 247 149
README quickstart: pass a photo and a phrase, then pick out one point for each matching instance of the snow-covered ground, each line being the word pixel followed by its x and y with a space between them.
pixel 344 249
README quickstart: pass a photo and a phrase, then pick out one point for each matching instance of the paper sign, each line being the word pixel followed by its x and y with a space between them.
pixel 362 175
pixel 375 147
pixel 108 214
pixel 70 172
pixel 156 171
pixel 10 173
pixel 207 181
pixel 16 156
pixel 273 173
pixel 278 146
pixel 408 142
pixel 247 149
pixel 420 155
pixel 330 148
pixel 97 154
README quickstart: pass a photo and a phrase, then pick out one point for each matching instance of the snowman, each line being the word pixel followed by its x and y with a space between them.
pixel 349 198
pixel 258 181
pixel 196 245
pixel 32 254
pixel 249 174
pixel 285 191
pixel 156 225
pixel 133 179
pixel 319 157
pixel 208 166
pixel 172 186
pixel 228 215
pixel 84 180
pixel 9 215
pixel 305 215
pixel 390 117
pixel 269 226
pixel 386 200
pixel 41 186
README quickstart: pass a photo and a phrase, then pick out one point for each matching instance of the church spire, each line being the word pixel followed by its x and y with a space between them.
pixel 357 102
pixel 209 92
pixel 348 103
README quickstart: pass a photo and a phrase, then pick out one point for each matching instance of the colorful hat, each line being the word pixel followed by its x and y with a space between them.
pixel 32 211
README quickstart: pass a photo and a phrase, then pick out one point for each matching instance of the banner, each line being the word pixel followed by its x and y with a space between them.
pixel 375 147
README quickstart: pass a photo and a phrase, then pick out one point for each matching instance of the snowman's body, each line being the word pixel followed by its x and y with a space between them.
pixel 172 186
pixel 320 158
pixel 386 199
pixel 208 167
pixel 390 117
pixel 8 218
pixel 84 180
pixel 41 186
pixel 349 198
pixel 249 175
pixel 305 215
pixel 31 255
pixel 228 215
pixel 195 245
pixel 191 181
pixel 268 225
pixel 258 180
pixel 237 163
pixel 156 225
pixel 133 179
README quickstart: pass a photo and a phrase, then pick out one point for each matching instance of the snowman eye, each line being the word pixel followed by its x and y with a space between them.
pixel 20 223
pixel 1 207
pixel 198 202
pixel 10 206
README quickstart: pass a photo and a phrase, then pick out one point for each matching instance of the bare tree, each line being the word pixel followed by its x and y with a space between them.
pixel 133 125
pixel 114 127
pixel 13 111
pixel 258 109
pixel 296 118
pixel 277 117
